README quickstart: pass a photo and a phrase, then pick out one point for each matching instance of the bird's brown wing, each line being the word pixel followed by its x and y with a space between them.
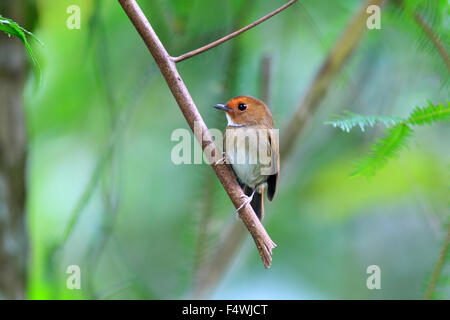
pixel 272 180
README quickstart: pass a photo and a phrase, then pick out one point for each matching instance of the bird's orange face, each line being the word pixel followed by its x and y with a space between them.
pixel 247 111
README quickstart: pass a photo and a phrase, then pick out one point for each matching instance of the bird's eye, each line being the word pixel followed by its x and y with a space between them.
pixel 242 106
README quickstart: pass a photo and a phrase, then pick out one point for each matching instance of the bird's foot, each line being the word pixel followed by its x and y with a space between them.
pixel 222 160
pixel 246 201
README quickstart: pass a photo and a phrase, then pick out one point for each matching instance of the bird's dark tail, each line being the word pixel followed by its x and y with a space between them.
pixel 257 202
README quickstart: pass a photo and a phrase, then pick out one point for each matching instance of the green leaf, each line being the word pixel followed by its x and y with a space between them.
pixel 387 148
pixel 430 114
pixel 12 28
pixel 349 120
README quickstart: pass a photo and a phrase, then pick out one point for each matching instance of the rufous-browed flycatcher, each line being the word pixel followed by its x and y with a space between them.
pixel 255 161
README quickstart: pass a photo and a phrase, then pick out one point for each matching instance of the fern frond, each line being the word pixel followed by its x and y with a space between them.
pixel 396 136
pixel 349 120
pixel 430 114
pixel 385 149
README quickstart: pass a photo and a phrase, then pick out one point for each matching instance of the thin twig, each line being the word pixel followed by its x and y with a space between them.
pixel 231 35
pixel 194 119
pixel 439 265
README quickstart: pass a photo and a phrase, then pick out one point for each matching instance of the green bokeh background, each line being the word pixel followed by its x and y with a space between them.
pixel 103 113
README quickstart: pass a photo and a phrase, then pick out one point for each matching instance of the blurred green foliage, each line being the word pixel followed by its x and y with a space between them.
pixel 100 126
pixel 396 138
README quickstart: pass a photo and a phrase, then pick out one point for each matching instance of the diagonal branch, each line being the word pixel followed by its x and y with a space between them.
pixel 333 64
pixel 194 119
pixel 428 30
pixel 231 35
pixel 434 38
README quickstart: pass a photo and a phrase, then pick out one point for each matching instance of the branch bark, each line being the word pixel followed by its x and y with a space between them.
pixel 232 35
pixel 187 106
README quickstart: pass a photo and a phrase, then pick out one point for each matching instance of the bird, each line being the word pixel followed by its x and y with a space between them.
pixel 249 117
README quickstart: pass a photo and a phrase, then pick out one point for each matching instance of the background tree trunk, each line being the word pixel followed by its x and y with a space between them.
pixel 13 156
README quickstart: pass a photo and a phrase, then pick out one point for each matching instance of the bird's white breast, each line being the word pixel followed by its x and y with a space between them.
pixel 243 156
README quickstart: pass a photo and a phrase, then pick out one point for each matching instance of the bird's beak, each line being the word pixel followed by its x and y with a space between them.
pixel 223 107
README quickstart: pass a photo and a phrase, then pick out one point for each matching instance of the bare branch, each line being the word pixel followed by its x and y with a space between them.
pixel 231 35
pixel 193 117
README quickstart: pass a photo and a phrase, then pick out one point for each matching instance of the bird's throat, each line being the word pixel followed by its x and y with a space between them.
pixel 231 122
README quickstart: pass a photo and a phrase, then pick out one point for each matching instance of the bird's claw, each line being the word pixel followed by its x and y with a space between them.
pixel 247 201
pixel 222 160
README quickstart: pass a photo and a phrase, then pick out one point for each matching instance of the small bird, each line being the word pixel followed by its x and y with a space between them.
pixel 247 117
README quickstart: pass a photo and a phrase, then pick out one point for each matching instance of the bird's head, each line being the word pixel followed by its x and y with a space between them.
pixel 246 111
